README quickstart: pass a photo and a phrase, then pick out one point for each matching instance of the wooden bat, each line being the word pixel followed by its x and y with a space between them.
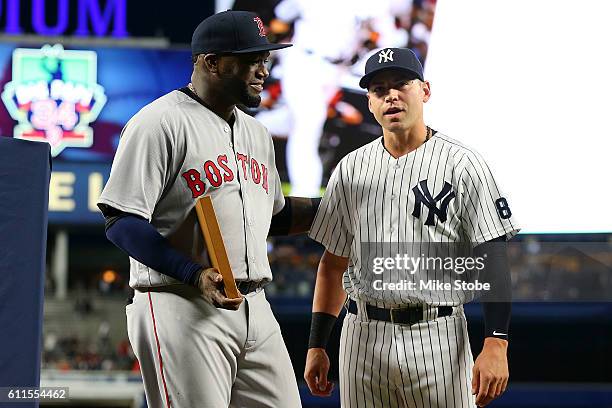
pixel 214 244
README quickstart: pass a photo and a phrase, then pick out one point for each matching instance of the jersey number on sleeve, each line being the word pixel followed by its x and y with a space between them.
pixel 502 208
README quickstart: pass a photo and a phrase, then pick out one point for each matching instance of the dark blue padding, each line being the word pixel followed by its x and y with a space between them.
pixel 25 170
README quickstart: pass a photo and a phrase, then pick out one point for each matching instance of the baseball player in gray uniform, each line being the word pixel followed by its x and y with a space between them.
pixel 196 347
pixel 403 345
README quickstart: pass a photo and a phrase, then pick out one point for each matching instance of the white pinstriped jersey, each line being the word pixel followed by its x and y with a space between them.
pixel 442 192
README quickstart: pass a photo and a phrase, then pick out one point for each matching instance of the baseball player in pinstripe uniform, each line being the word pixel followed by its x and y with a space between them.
pixel 407 346
pixel 196 347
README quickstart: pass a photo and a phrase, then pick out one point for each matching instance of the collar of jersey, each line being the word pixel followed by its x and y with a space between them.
pixel 404 156
pixel 196 98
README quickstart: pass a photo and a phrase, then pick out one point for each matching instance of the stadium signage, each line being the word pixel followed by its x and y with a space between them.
pixel 99 14
pixel 74 190
pixel 54 96
pixel 93 17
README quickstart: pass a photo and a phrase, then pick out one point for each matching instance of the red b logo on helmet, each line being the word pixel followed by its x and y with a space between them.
pixel 260 25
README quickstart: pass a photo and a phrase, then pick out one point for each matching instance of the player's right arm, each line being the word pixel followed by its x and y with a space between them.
pixel 329 296
pixel 332 228
pixel 139 239
pixel 140 172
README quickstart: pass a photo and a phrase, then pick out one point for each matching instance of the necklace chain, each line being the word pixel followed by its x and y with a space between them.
pixel 429 133
pixel 192 89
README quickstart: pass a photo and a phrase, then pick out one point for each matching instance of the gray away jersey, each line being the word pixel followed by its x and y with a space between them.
pixel 173 152
pixel 438 201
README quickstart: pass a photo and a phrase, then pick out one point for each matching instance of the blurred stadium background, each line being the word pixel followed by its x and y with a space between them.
pixel 561 349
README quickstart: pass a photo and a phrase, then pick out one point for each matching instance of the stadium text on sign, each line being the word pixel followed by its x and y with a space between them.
pixel 74 191
pixel 61 193
pixel 94 17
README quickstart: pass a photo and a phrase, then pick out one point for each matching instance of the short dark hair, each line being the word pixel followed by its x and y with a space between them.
pixel 194 58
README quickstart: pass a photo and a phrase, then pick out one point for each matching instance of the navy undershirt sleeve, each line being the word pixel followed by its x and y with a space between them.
pixel 281 222
pixel 496 306
pixel 140 240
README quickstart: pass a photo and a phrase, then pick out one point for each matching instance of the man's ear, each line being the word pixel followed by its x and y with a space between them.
pixel 426 91
pixel 369 102
pixel 210 62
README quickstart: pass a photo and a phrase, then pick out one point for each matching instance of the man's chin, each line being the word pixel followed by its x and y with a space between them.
pixel 394 125
pixel 251 101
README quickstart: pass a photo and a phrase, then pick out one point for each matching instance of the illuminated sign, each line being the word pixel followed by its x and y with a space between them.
pixel 88 12
pixel 54 96
pixel 74 190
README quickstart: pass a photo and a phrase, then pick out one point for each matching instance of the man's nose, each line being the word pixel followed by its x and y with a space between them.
pixel 392 95
pixel 262 71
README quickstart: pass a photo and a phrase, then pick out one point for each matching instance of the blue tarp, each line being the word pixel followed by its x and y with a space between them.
pixel 25 172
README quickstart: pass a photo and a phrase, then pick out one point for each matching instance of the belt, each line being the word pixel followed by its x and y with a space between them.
pixel 246 287
pixel 405 315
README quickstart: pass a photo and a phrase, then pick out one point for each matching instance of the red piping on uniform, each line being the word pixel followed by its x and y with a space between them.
pixel 161 362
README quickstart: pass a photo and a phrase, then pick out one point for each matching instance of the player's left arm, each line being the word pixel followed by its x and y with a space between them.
pixel 489 223
pixel 290 215
pixel 490 373
pixel 296 216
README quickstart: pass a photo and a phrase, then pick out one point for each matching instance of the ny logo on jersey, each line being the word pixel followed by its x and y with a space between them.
pixel 385 56
pixel 260 26
pixel 423 196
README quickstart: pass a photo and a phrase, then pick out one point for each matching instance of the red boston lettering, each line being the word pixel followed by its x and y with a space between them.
pixel 255 172
pixel 228 173
pixel 212 173
pixel 219 172
pixel 264 183
pixel 241 157
pixel 194 182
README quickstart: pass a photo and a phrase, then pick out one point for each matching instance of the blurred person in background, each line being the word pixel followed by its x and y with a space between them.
pixel 327 36
pixel 420 30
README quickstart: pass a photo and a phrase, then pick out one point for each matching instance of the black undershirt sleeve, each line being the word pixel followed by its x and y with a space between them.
pixel 496 303
pixel 281 222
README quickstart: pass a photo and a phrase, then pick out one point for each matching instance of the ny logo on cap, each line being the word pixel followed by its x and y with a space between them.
pixel 260 25
pixel 385 56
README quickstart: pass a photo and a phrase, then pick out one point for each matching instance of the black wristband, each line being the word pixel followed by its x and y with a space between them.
pixel 320 329
pixel 497 319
